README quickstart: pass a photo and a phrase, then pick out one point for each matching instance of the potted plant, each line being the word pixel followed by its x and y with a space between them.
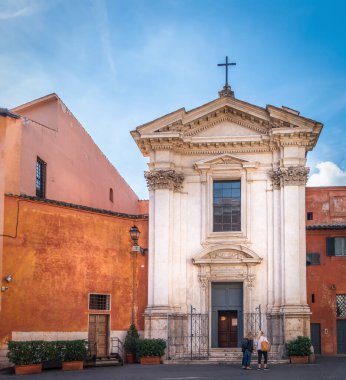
pixel 26 356
pixel 74 353
pixel 299 350
pixel 131 344
pixel 151 350
pixel 52 355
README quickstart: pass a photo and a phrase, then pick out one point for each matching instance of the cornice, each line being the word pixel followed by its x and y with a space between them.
pixel 179 131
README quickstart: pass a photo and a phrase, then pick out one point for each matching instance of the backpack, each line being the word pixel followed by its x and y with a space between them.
pixel 244 344
pixel 265 346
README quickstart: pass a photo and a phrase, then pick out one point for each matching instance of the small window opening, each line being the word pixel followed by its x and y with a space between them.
pixel 99 302
pixel 41 168
pixel 111 195
pixel 310 215
pixel 312 298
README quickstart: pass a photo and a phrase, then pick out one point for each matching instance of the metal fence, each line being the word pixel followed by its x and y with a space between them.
pixel 188 336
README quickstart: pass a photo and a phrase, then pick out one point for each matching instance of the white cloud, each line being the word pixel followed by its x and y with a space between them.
pixel 10 9
pixel 329 175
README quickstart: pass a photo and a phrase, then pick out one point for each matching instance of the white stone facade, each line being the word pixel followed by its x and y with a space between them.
pixel 227 139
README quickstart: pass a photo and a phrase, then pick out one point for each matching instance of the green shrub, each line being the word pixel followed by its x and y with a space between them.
pixel 151 347
pixel 299 346
pixel 53 351
pixel 73 350
pixel 22 353
pixel 131 340
pixel 38 351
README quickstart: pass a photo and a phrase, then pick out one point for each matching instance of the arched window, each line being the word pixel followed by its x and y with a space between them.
pixel 111 195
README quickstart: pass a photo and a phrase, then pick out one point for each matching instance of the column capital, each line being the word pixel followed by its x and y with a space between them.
pixel 164 179
pixel 291 176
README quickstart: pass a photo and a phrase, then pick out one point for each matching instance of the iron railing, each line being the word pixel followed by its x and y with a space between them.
pixel 188 336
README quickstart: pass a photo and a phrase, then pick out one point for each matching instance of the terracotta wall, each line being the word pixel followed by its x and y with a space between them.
pixel 57 256
pixel 326 280
pixel 328 204
pixel 77 170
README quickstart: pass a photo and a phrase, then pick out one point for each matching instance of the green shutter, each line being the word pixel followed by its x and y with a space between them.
pixel 330 246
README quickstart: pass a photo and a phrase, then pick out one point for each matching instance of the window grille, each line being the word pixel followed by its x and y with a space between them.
pixel 226 206
pixel 310 215
pixel 313 259
pixel 341 305
pixel 99 302
pixel 41 168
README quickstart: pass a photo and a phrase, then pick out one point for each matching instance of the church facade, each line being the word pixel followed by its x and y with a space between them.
pixel 227 224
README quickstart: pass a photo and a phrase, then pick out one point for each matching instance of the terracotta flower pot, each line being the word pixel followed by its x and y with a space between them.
pixel 73 366
pixel 129 358
pixel 299 359
pixel 150 360
pixel 27 369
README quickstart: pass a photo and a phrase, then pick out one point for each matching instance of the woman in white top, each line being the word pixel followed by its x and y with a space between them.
pixel 262 349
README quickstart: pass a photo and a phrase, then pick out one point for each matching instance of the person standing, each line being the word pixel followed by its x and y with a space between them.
pixel 244 343
pixel 248 348
pixel 262 349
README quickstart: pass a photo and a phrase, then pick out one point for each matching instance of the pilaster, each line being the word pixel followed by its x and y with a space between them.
pixel 162 185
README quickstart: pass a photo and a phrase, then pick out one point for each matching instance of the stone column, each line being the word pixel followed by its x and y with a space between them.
pixel 294 307
pixel 162 184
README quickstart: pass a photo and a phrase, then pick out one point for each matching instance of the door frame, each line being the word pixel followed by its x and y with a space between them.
pixel 239 310
pixel 97 312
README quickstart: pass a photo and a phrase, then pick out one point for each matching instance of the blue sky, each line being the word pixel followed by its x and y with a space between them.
pixel 117 64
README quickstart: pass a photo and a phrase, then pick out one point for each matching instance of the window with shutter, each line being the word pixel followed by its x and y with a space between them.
pixel 340 246
pixel 330 246
pixel 313 258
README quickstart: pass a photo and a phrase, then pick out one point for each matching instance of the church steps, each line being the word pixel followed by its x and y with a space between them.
pixel 229 355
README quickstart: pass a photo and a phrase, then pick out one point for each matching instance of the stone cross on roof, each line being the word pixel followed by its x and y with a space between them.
pixel 226 91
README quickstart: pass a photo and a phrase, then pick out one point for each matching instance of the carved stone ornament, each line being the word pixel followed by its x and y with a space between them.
pixel 251 278
pixel 203 281
pixel 294 175
pixel 226 91
pixel 164 179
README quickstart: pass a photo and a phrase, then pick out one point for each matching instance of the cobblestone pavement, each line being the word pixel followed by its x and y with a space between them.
pixel 326 368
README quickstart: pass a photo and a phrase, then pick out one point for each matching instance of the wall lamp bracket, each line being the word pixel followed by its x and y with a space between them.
pixel 137 248
pixel 9 278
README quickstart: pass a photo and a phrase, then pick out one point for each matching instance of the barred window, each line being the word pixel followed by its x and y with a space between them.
pixel 313 258
pixel 226 206
pixel 99 301
pixel 41 168
pixel 341 305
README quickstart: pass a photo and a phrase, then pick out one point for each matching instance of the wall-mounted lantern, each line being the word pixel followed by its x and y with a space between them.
pixel 134 233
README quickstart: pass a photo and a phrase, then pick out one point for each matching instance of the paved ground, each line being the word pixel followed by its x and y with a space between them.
pixel 333 368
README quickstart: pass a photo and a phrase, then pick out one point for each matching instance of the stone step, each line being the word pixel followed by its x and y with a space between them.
pixel 107 362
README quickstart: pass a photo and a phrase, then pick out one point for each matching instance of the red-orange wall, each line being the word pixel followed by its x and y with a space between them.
pixel 60 255
pixel 328 279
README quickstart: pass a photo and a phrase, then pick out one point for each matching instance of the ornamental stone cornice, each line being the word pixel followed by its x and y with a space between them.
pixel 269 129
pixel 164 179
pixel 227 255
pixel 291 176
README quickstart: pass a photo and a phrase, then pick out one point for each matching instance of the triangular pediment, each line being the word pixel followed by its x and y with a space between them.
pixel 227 254
pixel 221 159
pixel 225 159
pixel 227 129
pixel 225 124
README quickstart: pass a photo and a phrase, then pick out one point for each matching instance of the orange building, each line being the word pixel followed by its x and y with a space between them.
pixel 66 261
pixel 326 267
